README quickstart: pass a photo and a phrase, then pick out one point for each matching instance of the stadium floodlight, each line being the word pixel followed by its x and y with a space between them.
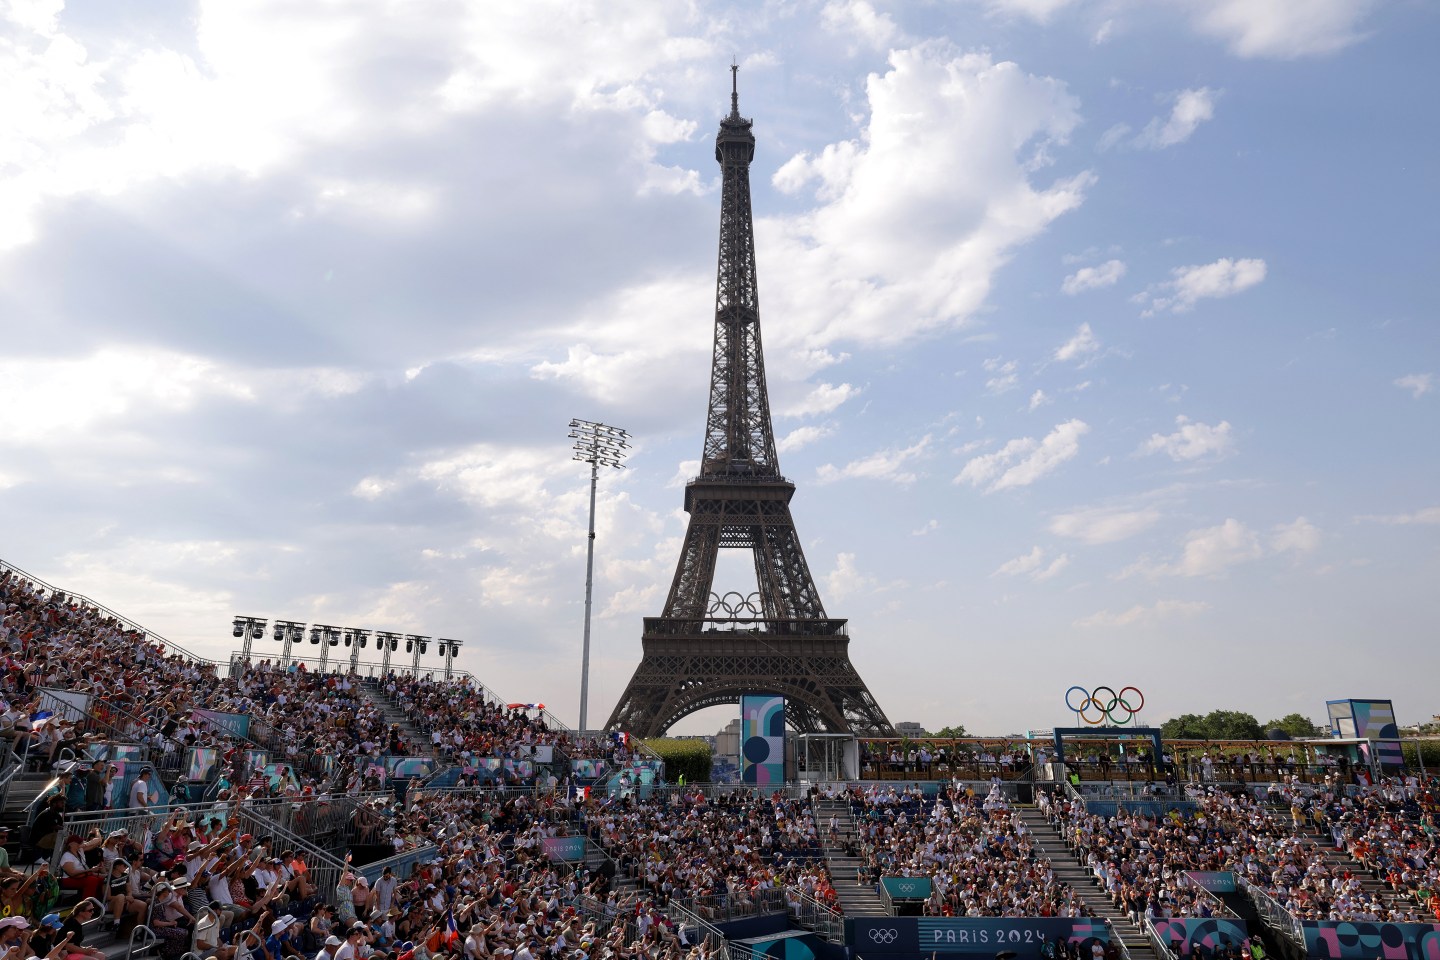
pixel 449 649
pixel 248 629
pixel 597 444
pixel 356 636
pixel 416 644
pixel 387 643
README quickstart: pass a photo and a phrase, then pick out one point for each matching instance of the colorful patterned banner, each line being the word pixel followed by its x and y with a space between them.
pixel 1209 934
pixel 762 739
pixel 1333 940
pixel 588 769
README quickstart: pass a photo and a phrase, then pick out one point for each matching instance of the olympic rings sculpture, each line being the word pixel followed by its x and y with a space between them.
pixel 1106 705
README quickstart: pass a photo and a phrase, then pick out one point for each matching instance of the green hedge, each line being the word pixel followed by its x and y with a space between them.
pixel 690 757
pixel 1426 750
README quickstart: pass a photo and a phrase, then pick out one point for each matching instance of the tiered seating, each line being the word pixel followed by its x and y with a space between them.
pixel 502 894
pixel 689 847
pixel 1138 859
pixel 975 849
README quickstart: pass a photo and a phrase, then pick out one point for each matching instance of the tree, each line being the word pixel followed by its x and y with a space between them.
pixel 1232 725
pixel 950 733
pixel 1296 725
pixel 1190 726
pixel 690 757
pixel 1215 725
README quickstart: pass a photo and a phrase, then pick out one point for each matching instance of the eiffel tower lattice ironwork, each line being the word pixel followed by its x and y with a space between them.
pixel 705 650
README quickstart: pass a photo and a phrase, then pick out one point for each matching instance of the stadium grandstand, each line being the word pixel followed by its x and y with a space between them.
pixel 158 804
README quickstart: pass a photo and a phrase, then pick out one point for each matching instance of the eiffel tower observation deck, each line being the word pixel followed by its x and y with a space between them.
pixel 705 650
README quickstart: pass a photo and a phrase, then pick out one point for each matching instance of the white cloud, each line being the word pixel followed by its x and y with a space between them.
pixel 804 436
pixel 1025 563
pixel 859 19
pixel 898 246
pixel 930 527
pixel 1298 536
pixel 1038 399
pixel 1033 564
pixel 1103 524
pixel 258 83
pixel 1023 461
pixel 1191 108
pixel 1428 515
pixel 1056 565
pixel 1283 29
pixel 685 471
pixel 884 465
pixel 1418 384
pixel 1112 136
pixel 1038 10
pixel 1140 615
pixel 1208 552
pixel 1191 441
pixel 1093 278
pixel 1083 344
pixel 1004 377
pixel 1078 347
pixel 1223 278
pixel 846 579
pixel 821 399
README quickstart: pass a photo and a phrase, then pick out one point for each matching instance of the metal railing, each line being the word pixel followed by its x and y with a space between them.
pixel 1161 948
pixel 9 769
pixel 605 920
pixel 725 907
pixel 324 870
pixel 1218 906
pixel 1115 938
pixel 826 921
pixel 1272 912
pixel 138 822
pixel 403 864
pixel 704 929
pixel 1076 797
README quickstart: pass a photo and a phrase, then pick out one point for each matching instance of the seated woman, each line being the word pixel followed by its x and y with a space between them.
pixel 124 908
pixel 171 922
pixel 75 871
pixel 73 925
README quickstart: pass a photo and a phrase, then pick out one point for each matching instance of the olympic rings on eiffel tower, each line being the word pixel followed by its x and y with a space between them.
pixel 1105 705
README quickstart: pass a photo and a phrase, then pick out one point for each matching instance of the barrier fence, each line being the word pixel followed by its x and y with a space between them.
pixel 1273 913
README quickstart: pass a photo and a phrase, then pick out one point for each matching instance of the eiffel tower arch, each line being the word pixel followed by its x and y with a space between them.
pixel 705 650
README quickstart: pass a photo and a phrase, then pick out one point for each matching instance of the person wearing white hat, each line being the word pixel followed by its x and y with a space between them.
pixel 327 952
pixel 280 944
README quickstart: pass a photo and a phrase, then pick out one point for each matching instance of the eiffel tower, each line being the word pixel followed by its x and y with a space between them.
pixel 706 650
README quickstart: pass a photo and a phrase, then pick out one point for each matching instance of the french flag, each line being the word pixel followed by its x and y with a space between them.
pixel 452 932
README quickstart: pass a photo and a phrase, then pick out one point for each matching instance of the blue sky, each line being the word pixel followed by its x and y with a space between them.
pixel 1101 333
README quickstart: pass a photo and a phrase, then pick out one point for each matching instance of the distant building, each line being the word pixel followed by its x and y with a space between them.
pixel 911 729
pixel 727 742
pixel 726 764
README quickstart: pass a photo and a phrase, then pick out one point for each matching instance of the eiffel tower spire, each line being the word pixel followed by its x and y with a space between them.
pixel 704 650
pixel 739 440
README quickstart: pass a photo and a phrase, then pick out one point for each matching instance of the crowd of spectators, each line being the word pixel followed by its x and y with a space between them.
pixel 1389 828
pixel 1277 841
pixel 726 848
pixel 489 892
pixel 976 849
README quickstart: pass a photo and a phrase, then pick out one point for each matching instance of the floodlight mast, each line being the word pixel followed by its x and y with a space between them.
pixel 597 444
